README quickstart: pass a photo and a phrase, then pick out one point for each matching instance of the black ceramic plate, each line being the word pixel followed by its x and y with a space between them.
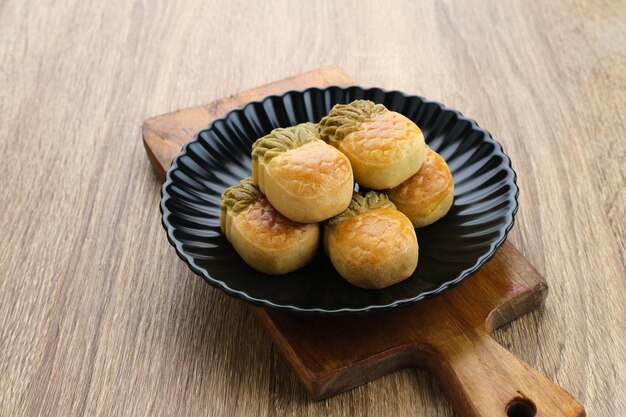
pixel 450 250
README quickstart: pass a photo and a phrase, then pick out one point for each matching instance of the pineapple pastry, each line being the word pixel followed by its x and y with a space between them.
pixel 384 147
pixel 427 196
pixel 371 244
pixel 264 238
pixel 304 178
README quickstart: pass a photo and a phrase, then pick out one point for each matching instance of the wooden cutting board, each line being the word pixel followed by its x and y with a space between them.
pixel 449 334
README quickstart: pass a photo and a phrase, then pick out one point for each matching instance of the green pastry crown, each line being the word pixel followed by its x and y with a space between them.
pixel 360 204
pixel 344 118
pixel 281 140
pixel 238 197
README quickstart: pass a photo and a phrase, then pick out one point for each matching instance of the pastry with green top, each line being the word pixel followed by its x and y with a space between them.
pixel 384 147
pixel 371 244
pixel 304 178
pixel 264 238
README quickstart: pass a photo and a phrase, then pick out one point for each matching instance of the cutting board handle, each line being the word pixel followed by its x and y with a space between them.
pixel 483 379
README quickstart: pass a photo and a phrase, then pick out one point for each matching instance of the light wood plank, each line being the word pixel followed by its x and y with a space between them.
pixel 90 324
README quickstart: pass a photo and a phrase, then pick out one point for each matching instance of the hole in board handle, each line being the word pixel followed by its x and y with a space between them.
pixel 521 407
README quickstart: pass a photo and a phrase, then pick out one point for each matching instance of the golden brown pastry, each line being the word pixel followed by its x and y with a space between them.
pixel 371 244
pixel 304 178
pixel 263 237
pixel 426 196
pixel 384 147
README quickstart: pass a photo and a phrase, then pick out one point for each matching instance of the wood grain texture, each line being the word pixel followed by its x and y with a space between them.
pixel 163 137
pixel 449 334
pixel 91 325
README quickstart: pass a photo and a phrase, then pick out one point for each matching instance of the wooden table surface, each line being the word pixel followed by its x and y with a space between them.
pixel 97 314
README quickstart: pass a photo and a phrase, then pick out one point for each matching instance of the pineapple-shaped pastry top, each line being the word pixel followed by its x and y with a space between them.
pixel 303 177
pixel 384 147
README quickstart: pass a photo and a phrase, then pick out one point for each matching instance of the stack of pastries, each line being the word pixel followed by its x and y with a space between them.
pixel 302 192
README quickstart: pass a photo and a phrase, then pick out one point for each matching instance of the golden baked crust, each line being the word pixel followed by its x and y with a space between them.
pixel 264 238
pixel 382 139
pixel 303 177
pixel 384 147
pixel 373 245
pixel 426 196
pixel 267 228
pixel 311 170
